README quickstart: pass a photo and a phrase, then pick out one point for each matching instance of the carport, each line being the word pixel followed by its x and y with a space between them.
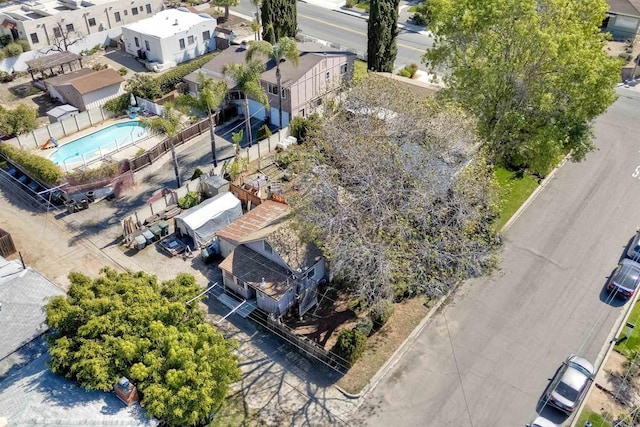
pixel 49 62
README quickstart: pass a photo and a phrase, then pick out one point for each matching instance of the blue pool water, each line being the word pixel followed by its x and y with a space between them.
pixel 99 143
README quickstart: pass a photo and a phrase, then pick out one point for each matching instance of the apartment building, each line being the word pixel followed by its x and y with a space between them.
pixel 45 23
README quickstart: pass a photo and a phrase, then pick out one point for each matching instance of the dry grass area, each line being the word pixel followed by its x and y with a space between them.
pixel 380 346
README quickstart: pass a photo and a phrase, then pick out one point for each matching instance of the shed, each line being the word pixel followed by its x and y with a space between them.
pixel 58 113
pixel 214 185
pixel 203 221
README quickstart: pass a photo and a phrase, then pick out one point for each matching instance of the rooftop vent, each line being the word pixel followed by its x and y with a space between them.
pixel 175 23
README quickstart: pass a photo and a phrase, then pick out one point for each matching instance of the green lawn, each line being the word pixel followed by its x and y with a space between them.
pixel 626 346
pixel 515 188
pixel 364 6
pixel 595 418
pixel 359 71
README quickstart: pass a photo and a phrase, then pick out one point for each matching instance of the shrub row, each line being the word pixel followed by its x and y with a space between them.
pixel 40 168
pixel 170 79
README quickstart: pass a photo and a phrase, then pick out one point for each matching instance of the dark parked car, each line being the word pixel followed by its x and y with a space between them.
pixel 570 384
pixel 624 280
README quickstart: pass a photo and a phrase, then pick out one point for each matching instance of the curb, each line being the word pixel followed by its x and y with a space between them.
pixel 395 357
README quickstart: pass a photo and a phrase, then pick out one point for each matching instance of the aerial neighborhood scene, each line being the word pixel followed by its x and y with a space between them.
pixel 320 213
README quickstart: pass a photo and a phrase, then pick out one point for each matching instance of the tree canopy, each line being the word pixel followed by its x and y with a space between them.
pixel 382 30
pixel 397 197
pixel 15 122
pixel 128 324
pixel 279 19
pixel 534 72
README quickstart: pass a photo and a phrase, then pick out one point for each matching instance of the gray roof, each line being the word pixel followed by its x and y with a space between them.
pixel 23 294
pixel 34 395
pixel 624 7
pixel 61 110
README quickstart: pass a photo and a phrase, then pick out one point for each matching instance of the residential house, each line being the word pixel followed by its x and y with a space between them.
pixel 623 19
pixel 39 22
pixel 319 73
pixel 170 37
pixel 86 88
pixel 267 261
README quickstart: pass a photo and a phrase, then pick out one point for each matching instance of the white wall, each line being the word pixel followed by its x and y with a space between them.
pixel 99 97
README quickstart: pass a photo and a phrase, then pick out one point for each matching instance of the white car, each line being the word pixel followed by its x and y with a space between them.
pixel 542 422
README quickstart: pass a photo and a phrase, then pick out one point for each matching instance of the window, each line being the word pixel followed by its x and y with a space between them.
pixel 181 43
pixel 134 10
pixel 273 89
pixel 92 22
pixel 285 93
pixel 126 13
pixel 206 35
pixel 117 16
pixel 311 273
pixel 148 6
pixel 146 45
pixel 327 75
pixel 56 32
pixel 141 8
pixel 343 69
pixel 34 38
pixel 137 42
pixel 69 27
pixel 190 40
pixel 267 247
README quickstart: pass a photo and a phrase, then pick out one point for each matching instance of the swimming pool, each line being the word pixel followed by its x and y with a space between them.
pixel 100 143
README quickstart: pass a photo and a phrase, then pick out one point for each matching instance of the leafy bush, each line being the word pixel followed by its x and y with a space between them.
pixel 189 200
pixel 419 19
pixel 364 326
pixel 144 87
pixel 118 105
pixel 381 312
pixel 404 73
pixel 301 127
pixel 351 3
pixel 409 71
pixel 24 44
pixel 123 71
pixel 107 170
pixel 350 346
pixel 197 174
pixel 39 167
pixel 264 132
pixel 168 81
pixel 5 40
pixel 98 67
pixel 13 49
pixel 14 122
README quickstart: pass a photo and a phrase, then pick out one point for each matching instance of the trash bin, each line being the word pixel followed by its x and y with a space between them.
pixel 164 227
pixel 71 206
pixel 141 242
pixel 91 196
pixel 157 232
pixel 148 235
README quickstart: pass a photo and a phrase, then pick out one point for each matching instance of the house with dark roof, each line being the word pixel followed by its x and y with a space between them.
pixel 320 72
pixel 268 261
pixel 86 88
pixel 623 19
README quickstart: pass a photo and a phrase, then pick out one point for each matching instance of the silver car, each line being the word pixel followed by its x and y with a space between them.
pixel 634 248
pixel 624 280
pixel 570 384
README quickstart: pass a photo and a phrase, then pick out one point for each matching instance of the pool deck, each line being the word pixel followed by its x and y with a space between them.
pixel 125 153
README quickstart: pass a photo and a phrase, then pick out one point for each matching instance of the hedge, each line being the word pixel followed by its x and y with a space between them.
pixel 350 346
pixel 40 168
pixel 170 79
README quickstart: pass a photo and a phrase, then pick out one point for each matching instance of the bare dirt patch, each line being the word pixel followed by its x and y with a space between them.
pixel 381 345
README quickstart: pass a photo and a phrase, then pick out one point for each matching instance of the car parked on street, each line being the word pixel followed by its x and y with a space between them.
pixel 624 280
pixel 570 384
pixel 634 248
pixel 542 422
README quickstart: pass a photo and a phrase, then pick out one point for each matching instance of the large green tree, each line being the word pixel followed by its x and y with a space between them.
pixel 279 19
pixel 283 49
pixel 247 79
pixel 534 72
pixel 128 324
pixel 14 122
pixel 382 31
pixel 210 97
pixel 226 4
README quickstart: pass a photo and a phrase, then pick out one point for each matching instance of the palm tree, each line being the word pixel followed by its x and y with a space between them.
pixel 168 124
pixel 256 21
pixel 285 48
pixel 247 79
pixel 210 96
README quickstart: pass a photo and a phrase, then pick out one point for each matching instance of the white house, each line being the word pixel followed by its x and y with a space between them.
pixel 44 23
pixel 170 37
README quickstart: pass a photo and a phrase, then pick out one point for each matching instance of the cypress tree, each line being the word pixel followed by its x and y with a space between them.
pixel 279 19
pixel 382 33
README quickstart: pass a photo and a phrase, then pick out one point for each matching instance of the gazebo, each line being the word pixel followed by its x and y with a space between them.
pixel 49 62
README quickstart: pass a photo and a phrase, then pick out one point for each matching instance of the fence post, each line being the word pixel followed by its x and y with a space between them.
pixel 102 113
pixel 35 140
pixel 75 117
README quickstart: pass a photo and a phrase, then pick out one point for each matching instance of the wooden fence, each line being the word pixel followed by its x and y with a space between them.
pixel 6 244
pixel 245 196
pixel 154 153
pixel 306 345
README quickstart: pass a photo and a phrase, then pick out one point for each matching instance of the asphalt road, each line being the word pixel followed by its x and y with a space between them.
pixel 349 31
pixel 486 359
